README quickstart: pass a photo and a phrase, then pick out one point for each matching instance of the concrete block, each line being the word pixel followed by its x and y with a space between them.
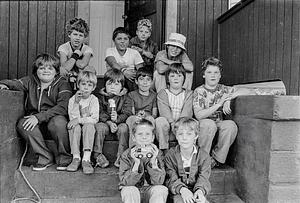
pixel 252 157
pixel 11 108
pixel 284 167
pixel 230 198
pixel 285 136
pixel 268 107
pixel 10 154
pixel 284 193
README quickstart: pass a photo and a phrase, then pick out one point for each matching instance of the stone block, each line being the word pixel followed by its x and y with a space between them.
pixel 285 136
pixel 252 157
pixel 268 107
pixel 284 167
pixel 10 154
pixel 11 108
pixel 283 193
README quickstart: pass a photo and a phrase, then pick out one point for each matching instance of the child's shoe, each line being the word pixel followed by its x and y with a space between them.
pixel 87 167
pixel 74 165
pixel 214 162
pixel 117 162
pixel 62 166
pixel 41 167
pixel 101 161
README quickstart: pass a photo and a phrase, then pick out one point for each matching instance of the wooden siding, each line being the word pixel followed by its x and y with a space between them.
pixel 29 28
pixel 197 21
pixel 259 40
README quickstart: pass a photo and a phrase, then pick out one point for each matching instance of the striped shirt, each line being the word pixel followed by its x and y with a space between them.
pixel 176 103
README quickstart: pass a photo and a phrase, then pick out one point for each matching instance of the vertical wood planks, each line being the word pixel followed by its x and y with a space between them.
pixel 4 38
pixel 269 43
pixel 29 28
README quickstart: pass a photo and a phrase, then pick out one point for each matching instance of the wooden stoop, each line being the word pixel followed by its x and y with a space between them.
pixel 102 186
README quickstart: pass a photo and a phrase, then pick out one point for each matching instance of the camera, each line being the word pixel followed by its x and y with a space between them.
pixel 144 151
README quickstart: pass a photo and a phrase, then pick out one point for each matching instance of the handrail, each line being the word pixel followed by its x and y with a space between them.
pixel 233 10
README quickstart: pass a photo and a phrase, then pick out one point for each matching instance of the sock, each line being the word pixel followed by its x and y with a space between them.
pixel 76 156
pixel 86 155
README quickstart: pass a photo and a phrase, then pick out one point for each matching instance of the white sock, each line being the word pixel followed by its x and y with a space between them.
pixel 86 155
pixel 76 156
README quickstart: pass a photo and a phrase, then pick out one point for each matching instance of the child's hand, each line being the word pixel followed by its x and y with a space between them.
pixel 78 52
pixel 148 54
pixel 133 155
pixel 114 116
pixel 78 96
pixel 130 74
pixel 153 159
pixel 141 114
pixel 224 98
pixel 199 196
pixel 137 48
pixel 30 122
pixel 226 107
pixel 187 195
pixel 3 87
pixel 113 127
pixel 72 123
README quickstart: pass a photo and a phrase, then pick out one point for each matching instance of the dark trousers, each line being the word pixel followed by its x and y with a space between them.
pixel 56 129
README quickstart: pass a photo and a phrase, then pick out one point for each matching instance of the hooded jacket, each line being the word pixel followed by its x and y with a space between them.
pixel 165 109
pixel 44 105
pixel 123 106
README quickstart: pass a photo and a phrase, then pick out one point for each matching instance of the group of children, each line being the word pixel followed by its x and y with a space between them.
pixel 147 96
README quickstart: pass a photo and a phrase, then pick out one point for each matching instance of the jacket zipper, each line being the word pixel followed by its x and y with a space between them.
pixel 40 99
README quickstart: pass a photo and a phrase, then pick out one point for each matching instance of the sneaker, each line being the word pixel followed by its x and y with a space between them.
pixel 214 162
pixel 62 167
pixel 117 162
pixel 87 167
pixel 40 167
pixel 101 161
pixel 74 165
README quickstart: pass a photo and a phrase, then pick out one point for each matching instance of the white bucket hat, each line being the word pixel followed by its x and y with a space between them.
pixel 176 39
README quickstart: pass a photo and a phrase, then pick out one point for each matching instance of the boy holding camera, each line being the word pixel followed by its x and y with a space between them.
pixel 142 170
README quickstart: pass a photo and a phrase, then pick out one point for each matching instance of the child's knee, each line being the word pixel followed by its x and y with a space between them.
pixel 161 122
pixel 160 190
pixel 129 191
pixel 208 124
pixel 57 122
pixel 123 128
pixel 102 128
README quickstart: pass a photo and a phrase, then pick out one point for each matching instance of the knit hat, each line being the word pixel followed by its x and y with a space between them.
pixel 176 39
pixel 144 22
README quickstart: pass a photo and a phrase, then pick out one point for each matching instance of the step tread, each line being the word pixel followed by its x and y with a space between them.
pixel 51 183
pixel 229 198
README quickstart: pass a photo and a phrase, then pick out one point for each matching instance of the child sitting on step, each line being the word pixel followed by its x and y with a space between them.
pixel 143 100
pixel 83 112
pixel 142 175
pixel 187 165
pixel 115 108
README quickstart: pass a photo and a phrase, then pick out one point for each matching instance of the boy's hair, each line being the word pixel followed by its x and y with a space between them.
pixel 43 59
pixel 79 25
pixel 144 22
pixel 143 121
pixel 145 71
pixel 119 30
pixel 213 62
pixel 192 123
pixel 88 76
pixel 114 75
pixel 175 68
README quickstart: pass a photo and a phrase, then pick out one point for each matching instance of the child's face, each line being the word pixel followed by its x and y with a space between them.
pixel 46 73
pixel 76 39
pixel 212 75
pixel 143 135
pixel 143 33
pixel 86 88
pixel 173 51
pixel 176 80
pixel 121 41
pixel 186 137
pixel 144 83
pixel 113 87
